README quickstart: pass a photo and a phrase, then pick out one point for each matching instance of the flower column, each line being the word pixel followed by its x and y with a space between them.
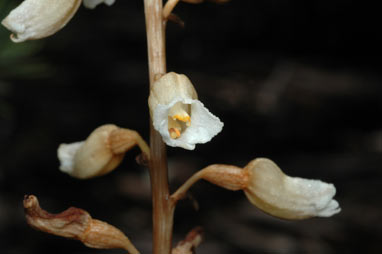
pixel 162 208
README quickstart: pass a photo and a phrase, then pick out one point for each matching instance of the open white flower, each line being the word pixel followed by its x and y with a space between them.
pixel 178 115
pixel 36 19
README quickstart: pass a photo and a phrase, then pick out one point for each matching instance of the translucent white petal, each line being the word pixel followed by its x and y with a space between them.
pixel 66 153
pixel 204 125
pixel 169 90
pixel 91 4
pixel 35 19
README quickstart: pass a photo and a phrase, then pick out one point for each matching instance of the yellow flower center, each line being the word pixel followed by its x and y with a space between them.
pixel 178 119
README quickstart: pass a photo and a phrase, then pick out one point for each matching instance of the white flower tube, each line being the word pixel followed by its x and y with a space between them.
pixel 178 115
pixel 35 19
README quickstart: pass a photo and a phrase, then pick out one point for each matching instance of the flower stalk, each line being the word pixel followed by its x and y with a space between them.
pixel 163 209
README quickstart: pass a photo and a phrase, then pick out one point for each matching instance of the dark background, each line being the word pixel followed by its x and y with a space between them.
pixel 295 81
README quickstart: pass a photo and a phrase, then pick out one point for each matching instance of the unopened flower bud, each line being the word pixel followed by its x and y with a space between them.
pixel 178 115
pixel 100 153
pixel 288 197
pixel 35 19
pixel 76 224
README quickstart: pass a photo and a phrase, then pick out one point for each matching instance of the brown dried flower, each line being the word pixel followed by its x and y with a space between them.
pixel 76 224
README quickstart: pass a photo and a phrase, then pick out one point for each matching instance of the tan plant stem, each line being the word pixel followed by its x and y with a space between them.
pixel 182 190
pixel 162 208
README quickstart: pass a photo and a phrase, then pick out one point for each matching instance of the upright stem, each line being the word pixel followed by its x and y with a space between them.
pixel 163 210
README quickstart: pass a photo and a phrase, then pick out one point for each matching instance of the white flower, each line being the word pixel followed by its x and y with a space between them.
pixel 178 115
pixel 36 19
pixel 287 197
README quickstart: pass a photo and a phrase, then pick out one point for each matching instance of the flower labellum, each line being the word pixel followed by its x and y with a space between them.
pixel 178 115
pixel 35 19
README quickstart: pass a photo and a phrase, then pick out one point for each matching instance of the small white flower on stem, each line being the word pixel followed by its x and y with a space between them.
pixel 178 115
pixel 36 19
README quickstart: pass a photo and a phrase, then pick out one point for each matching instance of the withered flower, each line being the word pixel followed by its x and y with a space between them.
pixel 76 224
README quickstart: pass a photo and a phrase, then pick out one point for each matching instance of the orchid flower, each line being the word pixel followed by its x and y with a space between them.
pixel 178 115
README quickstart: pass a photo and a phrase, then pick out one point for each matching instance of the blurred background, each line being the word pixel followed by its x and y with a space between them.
pixel 295 81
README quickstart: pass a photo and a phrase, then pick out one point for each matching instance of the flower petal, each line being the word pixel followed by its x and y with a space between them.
pixel 35 19
pixel 204 125
pixel 66 153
